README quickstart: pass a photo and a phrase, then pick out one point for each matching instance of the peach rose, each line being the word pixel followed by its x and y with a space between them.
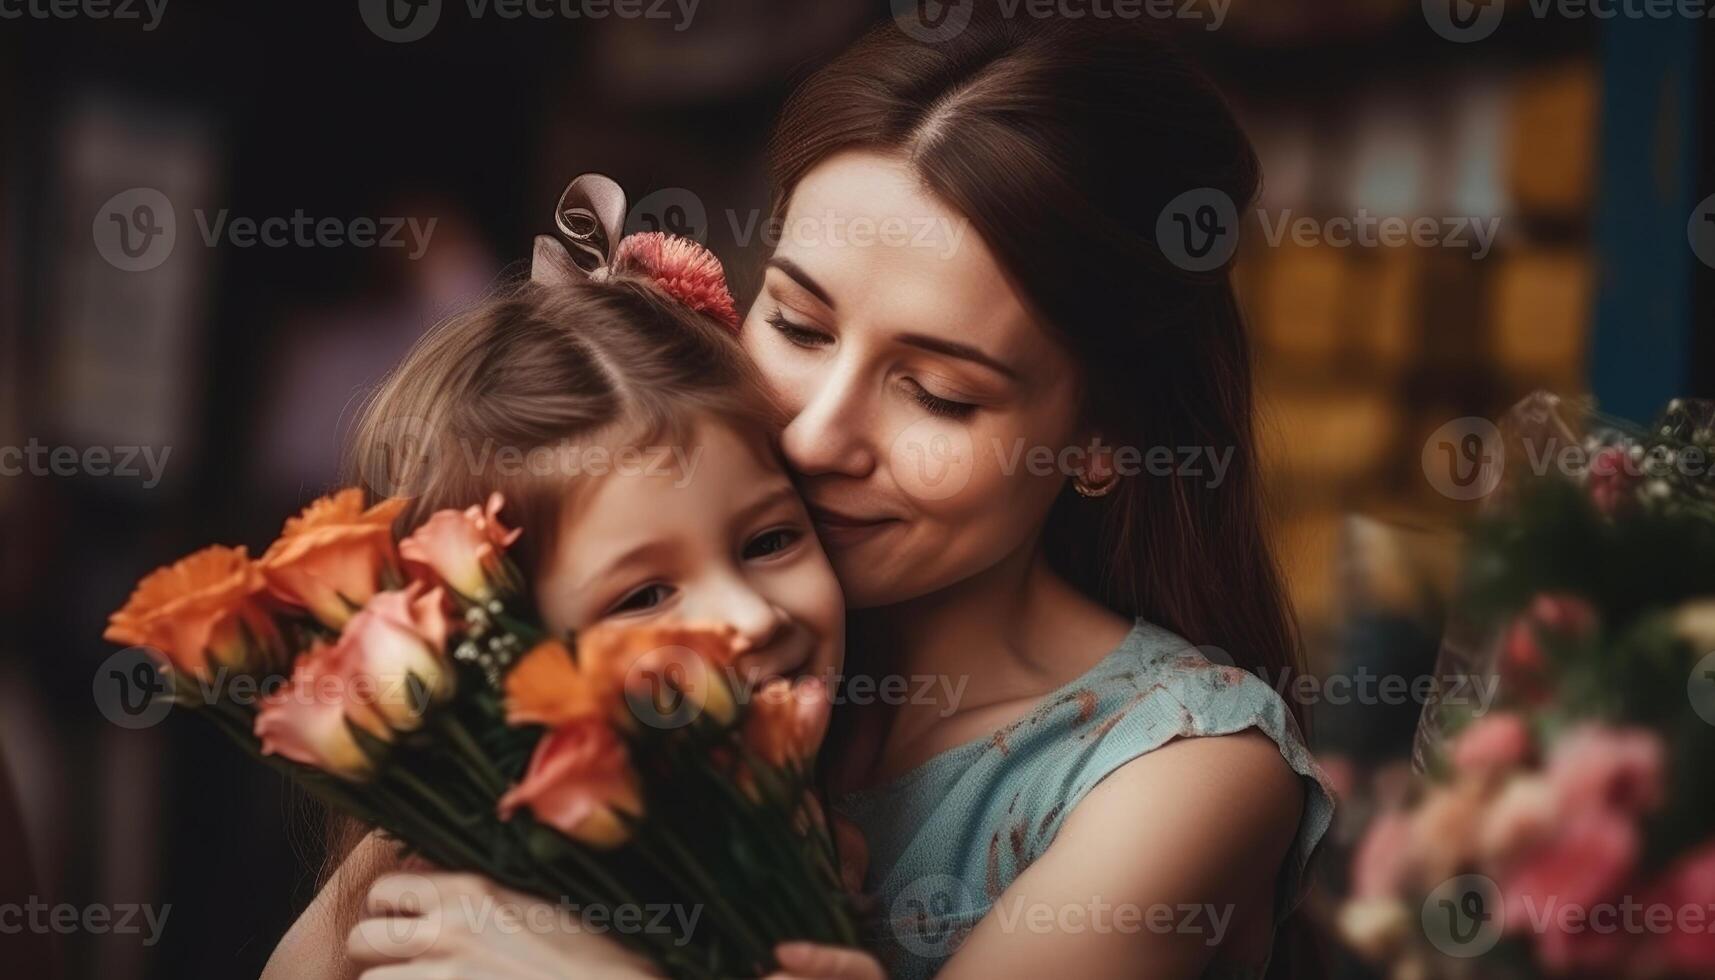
pixel 329 559
pixel 462 548
pixel 785 722
pixel 197 609
pixel 578 782
pixel 306 720
pixel 396 636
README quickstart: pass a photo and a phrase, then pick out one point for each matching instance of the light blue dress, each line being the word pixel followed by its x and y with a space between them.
pixel 948 837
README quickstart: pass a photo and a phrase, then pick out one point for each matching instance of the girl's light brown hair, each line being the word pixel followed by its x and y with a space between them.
pixel 493 398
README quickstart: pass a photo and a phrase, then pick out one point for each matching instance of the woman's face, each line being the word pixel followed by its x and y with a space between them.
pixel 918 382
pixel 717 535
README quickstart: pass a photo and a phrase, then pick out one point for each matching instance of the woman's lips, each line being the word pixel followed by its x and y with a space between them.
pixel 839 528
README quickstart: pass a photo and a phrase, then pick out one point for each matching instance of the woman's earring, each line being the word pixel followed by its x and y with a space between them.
pixel 1088 489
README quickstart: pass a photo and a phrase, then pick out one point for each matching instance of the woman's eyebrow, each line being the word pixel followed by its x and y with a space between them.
pixel 954 348
pixel 796 273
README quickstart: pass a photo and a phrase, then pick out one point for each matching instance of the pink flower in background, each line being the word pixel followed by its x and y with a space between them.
pixel 1523 812
pixel 1588 860
pixel 1383 857
pixel 1609 482
pixel 1444 827
pixel 1523 658
pixel 1597 767
pixel 1689 884
pixel 1492 743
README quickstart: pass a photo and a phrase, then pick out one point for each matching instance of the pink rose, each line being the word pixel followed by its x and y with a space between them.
pixel 306 720
pixel 1610 481
pixel 461 547
pixel 1551 889
pixel 1492 743
pixel 1597 767
pixel 1380 864
pixel 397 636
pixel 1689 883
pixel 578 782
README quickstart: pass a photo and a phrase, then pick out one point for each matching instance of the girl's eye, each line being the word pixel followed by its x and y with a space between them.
pixel 647 597
pixel 944 407
pixel 771 542
pixel 796 333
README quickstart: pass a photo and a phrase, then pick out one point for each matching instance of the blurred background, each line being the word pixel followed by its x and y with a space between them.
pixel 228 369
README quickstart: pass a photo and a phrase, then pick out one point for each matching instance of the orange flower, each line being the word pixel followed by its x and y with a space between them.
pixel 396 636
pixel 329 559
pixel 199 606
pixel 578 782
pixel 545 687
pixel 668 675
pixel 305 720
pixel 462 548
pixel 785 722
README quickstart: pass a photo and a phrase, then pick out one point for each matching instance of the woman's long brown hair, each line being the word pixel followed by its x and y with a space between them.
pixel 1062 142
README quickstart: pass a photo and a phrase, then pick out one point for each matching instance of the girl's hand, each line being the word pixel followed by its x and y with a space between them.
pixel 424 926
pixel 808 961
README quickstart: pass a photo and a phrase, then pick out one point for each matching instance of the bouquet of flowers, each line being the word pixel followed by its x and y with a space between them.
pixel 413 687
pixel 1565 831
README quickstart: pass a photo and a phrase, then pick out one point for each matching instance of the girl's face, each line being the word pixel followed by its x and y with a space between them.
pixel 714 532
pixel 924 393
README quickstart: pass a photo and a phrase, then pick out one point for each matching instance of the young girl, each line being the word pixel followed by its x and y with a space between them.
pixel 631 440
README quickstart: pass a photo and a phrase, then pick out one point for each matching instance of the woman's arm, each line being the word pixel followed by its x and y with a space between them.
pixel 1151 874
pixel 1152 871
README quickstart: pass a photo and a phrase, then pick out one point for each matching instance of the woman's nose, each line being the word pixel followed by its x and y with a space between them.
pixel 828 435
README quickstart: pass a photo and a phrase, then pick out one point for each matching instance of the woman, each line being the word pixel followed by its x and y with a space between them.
pixel 1086 793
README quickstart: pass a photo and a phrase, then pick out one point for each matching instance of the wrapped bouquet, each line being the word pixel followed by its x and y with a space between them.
pixel 1565 830
pixel 412 686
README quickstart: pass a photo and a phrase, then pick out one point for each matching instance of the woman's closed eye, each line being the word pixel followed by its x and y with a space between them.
pixel 944 407
pixel 797 333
